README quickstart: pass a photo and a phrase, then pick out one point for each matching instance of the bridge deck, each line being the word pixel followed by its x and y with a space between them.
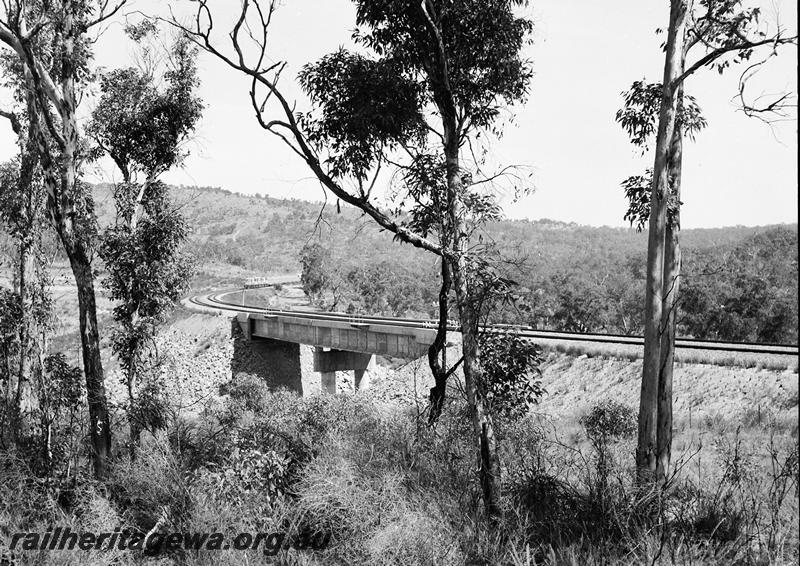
pixel 367 338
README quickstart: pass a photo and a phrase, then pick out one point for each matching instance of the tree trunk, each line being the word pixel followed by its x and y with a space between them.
pixel 45 406
pixel 672 273
pixel 439 346
pixel 134 425
pixel 100 428
pixel 17 418
pixel 654 294
pixel 456 231
pixel 481 418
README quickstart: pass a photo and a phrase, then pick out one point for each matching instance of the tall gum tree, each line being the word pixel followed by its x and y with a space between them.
pixel 430 76
pixel 51 40
pixel 718 33
pixel 143 126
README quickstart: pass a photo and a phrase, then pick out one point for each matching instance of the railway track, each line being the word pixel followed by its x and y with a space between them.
pixel 216 302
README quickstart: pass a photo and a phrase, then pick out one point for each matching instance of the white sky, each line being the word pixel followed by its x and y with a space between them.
pixel 740 171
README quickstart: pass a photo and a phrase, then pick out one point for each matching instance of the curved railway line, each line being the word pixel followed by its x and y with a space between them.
pixel 217 303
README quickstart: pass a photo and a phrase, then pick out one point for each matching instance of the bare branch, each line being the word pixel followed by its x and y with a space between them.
pixel 768 108
pixel 102 15
pixel 294 137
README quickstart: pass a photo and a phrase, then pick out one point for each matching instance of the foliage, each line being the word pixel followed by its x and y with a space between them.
pixel 607 421
pixel 749 293
pixel 147 271
pixel 316 270
pixel 637 190
pixel 10 318
pixel 386 489
pixel 364 106
pixel 482 74
pixel 639 115
pixel 511 374
pixel 729 25
pixel 639 118
pixel 64 383
pixel 247 473
pixel 367 106
pixel 61 404
pixel 151 408
pixel 141 126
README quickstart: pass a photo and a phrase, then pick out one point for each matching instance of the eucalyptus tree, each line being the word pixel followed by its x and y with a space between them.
pixel 142 121
pixel 22 215
pixel 52 42
pixel 700 34
pixel 429 77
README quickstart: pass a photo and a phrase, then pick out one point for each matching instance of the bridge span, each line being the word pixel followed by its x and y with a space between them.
pixel 341 342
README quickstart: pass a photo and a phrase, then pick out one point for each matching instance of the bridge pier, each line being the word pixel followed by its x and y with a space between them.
pixel 328 382
pixel 329 361
pixel 361 376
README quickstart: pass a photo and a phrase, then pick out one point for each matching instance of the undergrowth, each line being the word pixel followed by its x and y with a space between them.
pixel 383 488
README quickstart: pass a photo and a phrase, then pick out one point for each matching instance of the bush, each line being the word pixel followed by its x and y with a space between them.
pixel 511 375
pixel 608 420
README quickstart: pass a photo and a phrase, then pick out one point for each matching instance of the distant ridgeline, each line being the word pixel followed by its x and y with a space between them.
pixel 740 282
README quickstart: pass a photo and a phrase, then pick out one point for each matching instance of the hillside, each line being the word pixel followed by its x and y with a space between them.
pixel 265 234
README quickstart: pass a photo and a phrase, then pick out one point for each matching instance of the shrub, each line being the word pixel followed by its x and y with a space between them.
pixel 608 420
pixel 246 476
pixel 511 375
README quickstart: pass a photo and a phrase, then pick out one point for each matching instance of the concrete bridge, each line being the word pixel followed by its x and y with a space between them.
pixel 340 344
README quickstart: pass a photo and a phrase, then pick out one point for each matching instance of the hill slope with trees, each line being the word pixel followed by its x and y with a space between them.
pixel 740 282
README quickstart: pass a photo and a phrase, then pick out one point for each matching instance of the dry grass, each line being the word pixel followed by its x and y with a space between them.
pixel 389 490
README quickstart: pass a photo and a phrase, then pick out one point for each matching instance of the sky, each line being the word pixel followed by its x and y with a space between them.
pixel 739 171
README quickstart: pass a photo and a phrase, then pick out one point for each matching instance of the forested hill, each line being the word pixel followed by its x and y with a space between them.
pixel 741 282
pixel 267 234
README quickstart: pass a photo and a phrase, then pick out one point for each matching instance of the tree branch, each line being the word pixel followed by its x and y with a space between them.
pixel 719 52
pixel 201 36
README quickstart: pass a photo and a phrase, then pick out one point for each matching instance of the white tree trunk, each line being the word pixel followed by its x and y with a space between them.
pixel 646 451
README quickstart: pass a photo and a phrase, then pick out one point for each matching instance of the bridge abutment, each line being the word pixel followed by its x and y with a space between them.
pixel 276 362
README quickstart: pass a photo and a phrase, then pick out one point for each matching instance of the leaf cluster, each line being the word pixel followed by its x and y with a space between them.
pixel 511 378
pixel 363 106
pixel 727 25
pixel 421 198
pixel 64 384
pixel 639 114
pixel 142 126
pixel 608 420
pixel 482 40
pixel 368 104
pixel 637 190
